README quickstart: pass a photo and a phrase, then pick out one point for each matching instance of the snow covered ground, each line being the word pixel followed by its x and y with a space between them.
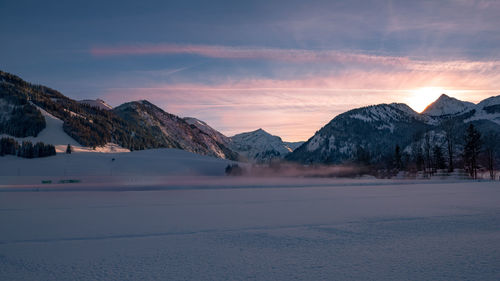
pixel 122 168
pixel 348 230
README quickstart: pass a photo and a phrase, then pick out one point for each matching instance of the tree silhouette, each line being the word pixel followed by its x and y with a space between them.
pixel 449 133
pixel 397 158
pixel 439 161
pixel 471 150
pixel 490 151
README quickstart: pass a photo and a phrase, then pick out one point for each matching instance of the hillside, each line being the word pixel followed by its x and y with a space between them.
pixel 94 124
pixel 99 103
pixel 372 133
pixel 18 117
pixel 374 128
pixel 172 131
pixel 256 146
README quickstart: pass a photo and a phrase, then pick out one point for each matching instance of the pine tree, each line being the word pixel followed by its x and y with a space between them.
pixel 68 149
pixel 362 156
pixel 397 158
pixel 472 149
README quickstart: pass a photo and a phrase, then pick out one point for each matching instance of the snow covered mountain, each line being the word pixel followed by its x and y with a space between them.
pixel 374 128
pixel 256 146
pixel 141 125
pixel 94 125
pixel 260 146
pixel 377 129
pixel 447 106
pixel 172 131
pixel 38 113
pixel 488 109
pixel 99 103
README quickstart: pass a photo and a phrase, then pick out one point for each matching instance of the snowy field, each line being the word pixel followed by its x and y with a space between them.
pixel 108 168
pixel 357 231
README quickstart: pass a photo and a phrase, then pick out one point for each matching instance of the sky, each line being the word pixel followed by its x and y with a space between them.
pixel 287 67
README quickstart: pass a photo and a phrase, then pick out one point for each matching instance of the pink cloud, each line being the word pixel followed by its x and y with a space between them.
pixel 228 52
pixel 296 108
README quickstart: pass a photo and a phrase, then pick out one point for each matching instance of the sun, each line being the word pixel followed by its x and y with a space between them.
pixel 420 98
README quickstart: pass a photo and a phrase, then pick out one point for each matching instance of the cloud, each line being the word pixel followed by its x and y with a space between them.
pixel 296 56
pixel 229 52
pixel 294 105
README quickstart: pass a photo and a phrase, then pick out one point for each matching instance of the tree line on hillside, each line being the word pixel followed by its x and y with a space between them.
pixel 472 152
pixel 18 117
pixel 9 146
pixel 88 125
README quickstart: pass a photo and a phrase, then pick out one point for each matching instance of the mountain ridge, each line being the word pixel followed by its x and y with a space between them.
pixel 378 129
pixel 93 127
pixel 143 125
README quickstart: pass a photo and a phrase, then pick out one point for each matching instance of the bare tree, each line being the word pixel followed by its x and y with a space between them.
pixel 490 150
pixel 472 149
pixel 449 128
pixel 428 154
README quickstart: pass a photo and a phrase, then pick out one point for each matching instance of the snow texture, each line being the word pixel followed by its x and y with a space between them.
pixel 205 128
pixel 489 102
pixel 176 130
pixel 107 167
pixel 482 114
pixel 253 145
pixel 446 106
pixel 315 142
pixel 448 231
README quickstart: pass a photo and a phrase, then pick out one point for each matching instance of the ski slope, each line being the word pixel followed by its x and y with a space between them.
pixel 53 133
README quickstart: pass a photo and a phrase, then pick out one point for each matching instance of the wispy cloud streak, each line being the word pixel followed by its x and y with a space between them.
pixel 229 52
pixel 295 106
pixel 295 56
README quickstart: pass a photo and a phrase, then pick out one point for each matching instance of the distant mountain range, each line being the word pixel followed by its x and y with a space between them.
pixel 141 125
pixel 256 146
pixel 378 129
pixel 133 125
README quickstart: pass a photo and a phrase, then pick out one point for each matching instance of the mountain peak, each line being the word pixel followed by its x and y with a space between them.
pixel 446 105
pixel 144 102
pixel 259 145
pixel 259 132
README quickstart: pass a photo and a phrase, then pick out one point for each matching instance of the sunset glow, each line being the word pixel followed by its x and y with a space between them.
pixel 250 140
pixel 422 97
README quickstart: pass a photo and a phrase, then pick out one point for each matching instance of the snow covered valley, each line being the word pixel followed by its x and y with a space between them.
pixel 358 230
